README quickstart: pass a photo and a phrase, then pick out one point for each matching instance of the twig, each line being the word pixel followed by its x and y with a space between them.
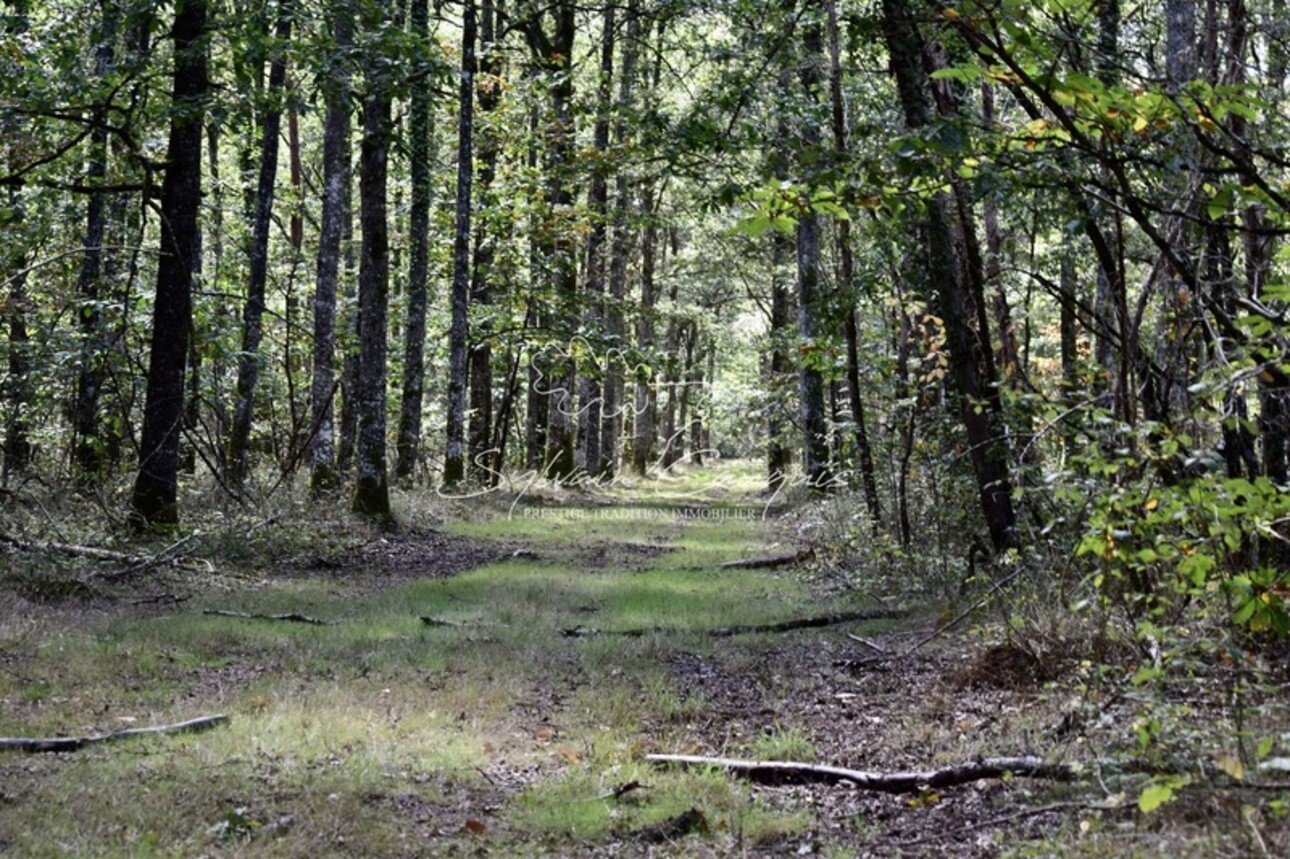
pixel 71 744
pixel 787 772
pixel 289 617
pixel 147 563
pixel 622 790
pixel 866 642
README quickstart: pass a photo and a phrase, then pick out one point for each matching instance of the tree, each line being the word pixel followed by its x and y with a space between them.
pixel 155 498
pixel 950 263
pixel 372 490
pixel 335 202
pixel 248 371
pixel 454 463
pixel 414 337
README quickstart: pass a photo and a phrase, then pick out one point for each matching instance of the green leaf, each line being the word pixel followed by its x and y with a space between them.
pixel 1155 796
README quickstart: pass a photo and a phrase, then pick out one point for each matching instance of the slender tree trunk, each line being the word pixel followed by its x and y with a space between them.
pixel 87 446
pixel 590 431
pixel 454 463
pixel 778 454
pixel 645 403
pixel 154 500
pixel 846 287
pixel 419 153
pixel 488 93
pixel 559 253
pixel 815 434
pixel 248 372
pixel 612 418
pixel 372 491
pixel 323 474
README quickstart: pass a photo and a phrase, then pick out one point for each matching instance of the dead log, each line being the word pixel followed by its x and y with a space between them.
pixel 786 772
pixel 769 562
pixel 72 744
pixel 289 617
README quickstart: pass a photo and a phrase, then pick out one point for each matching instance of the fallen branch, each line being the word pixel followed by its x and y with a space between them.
pixel 768 562
pixel 166 555
pixel 289 617
pixel 70 549
pixel 786 772
pixel 453 624
pixel 743 629
pixel 72 744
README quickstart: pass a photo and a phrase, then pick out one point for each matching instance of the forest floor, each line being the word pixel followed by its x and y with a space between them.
pixel 515 722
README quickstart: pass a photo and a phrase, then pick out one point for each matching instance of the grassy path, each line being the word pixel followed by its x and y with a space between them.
pixel 380 735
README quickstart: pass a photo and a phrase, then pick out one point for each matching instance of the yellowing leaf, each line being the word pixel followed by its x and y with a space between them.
pixel 1232 766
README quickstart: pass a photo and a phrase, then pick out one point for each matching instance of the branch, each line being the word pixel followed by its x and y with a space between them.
pixel 72 744
pixel 289 617
pixel 786 772
pixel 743 629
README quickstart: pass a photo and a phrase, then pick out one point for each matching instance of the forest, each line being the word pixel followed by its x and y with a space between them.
pixel 587 368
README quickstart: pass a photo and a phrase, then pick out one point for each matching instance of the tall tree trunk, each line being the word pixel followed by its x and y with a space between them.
pixel 948 261
pixel 414 342
pixel 87 447
pixel 847 276
pixel 559 251
pixel 815 433
pixel 454 463
pixel 323 474
pixel 488 92
pixel 154 500
pixel 592 413
pixel 612 419
pixel 537 389
pixel 645 402
pixel 779 456
pixel 372 491
pixel 248 372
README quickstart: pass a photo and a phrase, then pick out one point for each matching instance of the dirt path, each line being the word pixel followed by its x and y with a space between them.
pixel 488 730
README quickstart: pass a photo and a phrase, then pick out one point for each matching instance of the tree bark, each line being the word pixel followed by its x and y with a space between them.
pixel 335 200
pixel 591 413
pixel 248 372
pixel 815 434
pixel 454 463
pixel 480 436
pixel 154 499
pixel 87 446
pixel 419 153
pixel 372 491
pixel 559 250
pixel 846 262
pixel 948 262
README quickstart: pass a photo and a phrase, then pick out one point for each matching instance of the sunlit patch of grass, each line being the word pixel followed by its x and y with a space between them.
pixel 580 807
pixel 784 744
